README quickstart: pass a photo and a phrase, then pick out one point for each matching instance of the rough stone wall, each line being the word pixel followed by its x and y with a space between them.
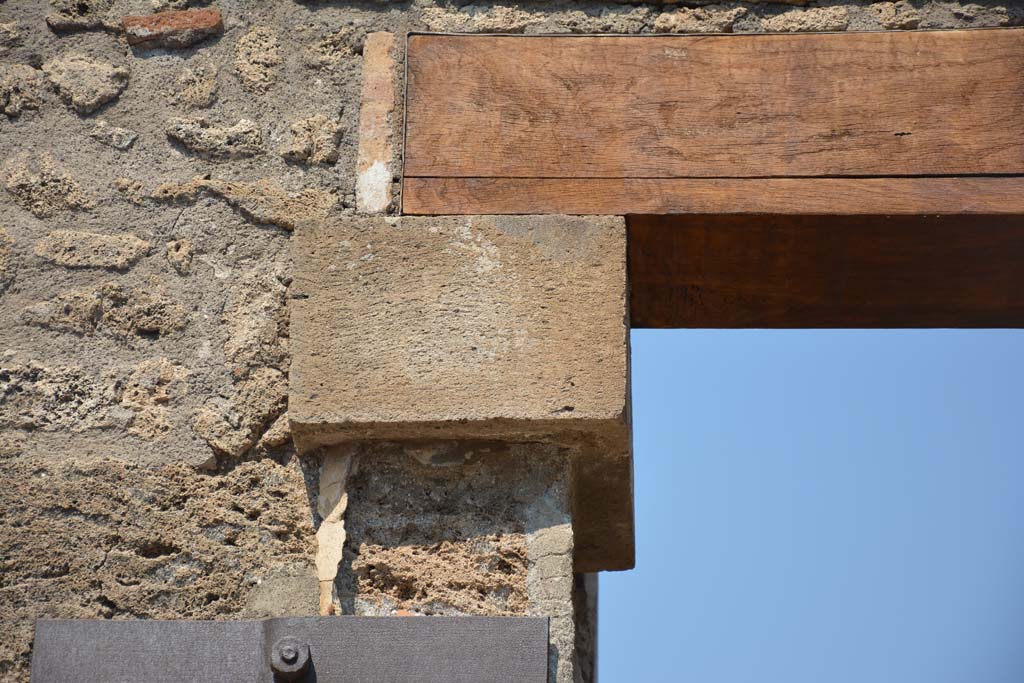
pixel 147 197
pixel 461 528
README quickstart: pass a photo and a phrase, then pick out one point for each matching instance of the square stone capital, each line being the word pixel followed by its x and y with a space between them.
pixel 477 328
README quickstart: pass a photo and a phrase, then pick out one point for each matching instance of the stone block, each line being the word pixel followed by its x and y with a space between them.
pixel 506 329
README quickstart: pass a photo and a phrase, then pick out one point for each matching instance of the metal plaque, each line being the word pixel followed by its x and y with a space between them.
pixel 309 649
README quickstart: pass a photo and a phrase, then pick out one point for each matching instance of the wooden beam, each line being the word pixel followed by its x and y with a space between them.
pixel 886 103
pixel 826 271
pixel 593 196
pixel 728 123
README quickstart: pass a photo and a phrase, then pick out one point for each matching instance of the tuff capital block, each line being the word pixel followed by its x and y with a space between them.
pixel 504 329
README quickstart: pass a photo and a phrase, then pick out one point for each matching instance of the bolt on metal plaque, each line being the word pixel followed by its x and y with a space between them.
pixel 309 649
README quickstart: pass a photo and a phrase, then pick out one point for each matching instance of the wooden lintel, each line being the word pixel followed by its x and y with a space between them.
pixel 853 123
pixel 826 271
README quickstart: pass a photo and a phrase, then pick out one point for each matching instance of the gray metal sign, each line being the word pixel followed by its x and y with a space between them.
pixel 310 649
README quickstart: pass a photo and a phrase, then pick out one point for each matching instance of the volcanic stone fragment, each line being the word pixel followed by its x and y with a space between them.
pixel 85 84
pixel 74 249
pixel 213 142
pixel 113 136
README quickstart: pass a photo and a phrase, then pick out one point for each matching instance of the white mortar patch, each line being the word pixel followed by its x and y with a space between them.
pixel 373 188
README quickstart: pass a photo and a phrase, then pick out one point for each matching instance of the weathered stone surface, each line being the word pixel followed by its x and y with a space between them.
pixel 113 136
pixel 43 187
pixel 329 52
pixel 897 15
pixel 110 539
pixel 400 322
pixel 257 56
pixel 813 19
pixel 492 534
pixel 7 260
pixel 131 190
pixel 313 140
pixel 21 88
pixel 489 20
pixel 261 201
pixel 10 36
pixel 376 150
pixel 257 322
pixel 243 139
pixel 709 19
pixel 110 309
pixel 35 397
pixel 83 83
pixel 179 255
pixel 80 15
pixel 404 327
pixel 174 29
pixel 76 249
pixel 232 424
pixel 149 389
pixel 196 88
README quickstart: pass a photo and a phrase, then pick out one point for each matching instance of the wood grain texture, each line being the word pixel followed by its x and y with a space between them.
pixel 826 271
pixel 591 196
pixel 854 104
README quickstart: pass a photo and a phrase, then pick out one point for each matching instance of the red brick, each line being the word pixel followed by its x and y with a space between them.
pixel 173 29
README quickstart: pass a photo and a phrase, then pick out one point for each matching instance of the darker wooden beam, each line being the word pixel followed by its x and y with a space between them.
pixel 826 271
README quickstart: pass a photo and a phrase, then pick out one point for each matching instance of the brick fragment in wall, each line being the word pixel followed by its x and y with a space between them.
pixel 243 139
pixel 42 186
pixel 111 539
pixel 374 167
pixel 257 58
pixel 77 249
pixel 263 201
pixel 173 29
pixel 84 83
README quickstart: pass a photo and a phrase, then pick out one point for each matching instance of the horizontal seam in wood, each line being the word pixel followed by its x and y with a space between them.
pixel 926 176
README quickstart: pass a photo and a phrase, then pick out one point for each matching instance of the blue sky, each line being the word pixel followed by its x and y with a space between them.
pixel 841 506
